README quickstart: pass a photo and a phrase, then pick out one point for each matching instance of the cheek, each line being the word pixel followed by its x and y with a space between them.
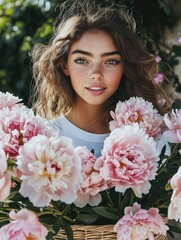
pixel 114 77
pixel 77 77
pixel 78 72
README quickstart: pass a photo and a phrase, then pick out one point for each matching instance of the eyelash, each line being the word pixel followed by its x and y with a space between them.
pixel 80 61
pixel 110 62
pixel 113 62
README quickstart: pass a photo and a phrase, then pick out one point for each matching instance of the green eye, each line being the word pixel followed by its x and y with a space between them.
pixel 113 62
pixel 80 61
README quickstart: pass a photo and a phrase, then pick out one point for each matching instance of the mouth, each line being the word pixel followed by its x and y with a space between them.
pixel 96 90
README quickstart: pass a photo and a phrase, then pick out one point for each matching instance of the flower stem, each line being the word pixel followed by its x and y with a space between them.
pixel 119 202
pixel 57 213
pixel 65 209
pixel 110 200
pixel 16 179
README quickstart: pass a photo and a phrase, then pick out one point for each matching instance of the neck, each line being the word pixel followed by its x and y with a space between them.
pixel 88 118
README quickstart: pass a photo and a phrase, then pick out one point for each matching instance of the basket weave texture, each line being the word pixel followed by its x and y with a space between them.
pixel 94 232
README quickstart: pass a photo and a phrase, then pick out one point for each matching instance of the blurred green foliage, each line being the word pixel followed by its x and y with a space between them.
pixel 25 22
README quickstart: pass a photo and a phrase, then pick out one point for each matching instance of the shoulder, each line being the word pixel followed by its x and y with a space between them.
pixel 57 123
pixel 57 120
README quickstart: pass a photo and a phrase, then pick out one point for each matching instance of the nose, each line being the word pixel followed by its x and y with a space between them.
pixel 96 73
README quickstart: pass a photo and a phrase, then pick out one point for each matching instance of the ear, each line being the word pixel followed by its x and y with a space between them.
pixel 64 67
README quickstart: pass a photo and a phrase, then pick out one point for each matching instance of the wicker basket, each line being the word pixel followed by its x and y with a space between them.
pixel 93 232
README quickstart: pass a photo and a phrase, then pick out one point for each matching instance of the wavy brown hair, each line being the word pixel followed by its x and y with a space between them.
pixel 53 94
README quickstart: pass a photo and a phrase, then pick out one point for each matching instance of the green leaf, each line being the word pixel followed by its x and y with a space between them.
pixel 12 195
pixel 127 200
pixel 3 222
pixel 87 209
pixel 166 6
pixel 54 229
pixel 87 218
pixel 107 212
pixel 49 227
pixel 68 230
pixel 174 229
pixel 57 225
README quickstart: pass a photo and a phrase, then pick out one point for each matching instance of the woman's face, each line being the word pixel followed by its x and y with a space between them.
pixel 95 67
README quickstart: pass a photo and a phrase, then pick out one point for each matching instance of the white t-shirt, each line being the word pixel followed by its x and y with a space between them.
pixel 80 137
pixel 90 140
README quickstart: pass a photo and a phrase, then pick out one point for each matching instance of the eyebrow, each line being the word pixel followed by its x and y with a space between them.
pixel 90 54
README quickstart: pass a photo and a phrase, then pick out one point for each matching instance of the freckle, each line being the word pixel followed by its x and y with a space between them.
pixel 85 70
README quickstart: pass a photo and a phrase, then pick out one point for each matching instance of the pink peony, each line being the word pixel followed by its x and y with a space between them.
pixel 92 183
pixel 137 110
pixel 159 78
pixel 140 224
pixel 174 210
pixel 173 123
pixel 129 159
pixel 50 170
pixel 158 59
pixel 4 138
pixel 18 125
pixel 7 100
pixel 5 178
pixel 24 225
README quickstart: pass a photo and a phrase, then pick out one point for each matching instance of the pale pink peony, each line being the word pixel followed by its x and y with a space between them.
pixel 175 181
pixel 24 225
pixel 140 224
pixel 92 183
pixel 174 210
pixel 18 125
pixel 50 170
pixel 3 161
pixel 4 137
pixel 129 159
pixel 173 123
pixel 137 110
pixel 7 100
pixel 5 178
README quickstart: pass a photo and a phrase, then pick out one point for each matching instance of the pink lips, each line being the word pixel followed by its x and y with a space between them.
pixel 96 90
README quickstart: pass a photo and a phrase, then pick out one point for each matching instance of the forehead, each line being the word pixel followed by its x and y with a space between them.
pixel 94 39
